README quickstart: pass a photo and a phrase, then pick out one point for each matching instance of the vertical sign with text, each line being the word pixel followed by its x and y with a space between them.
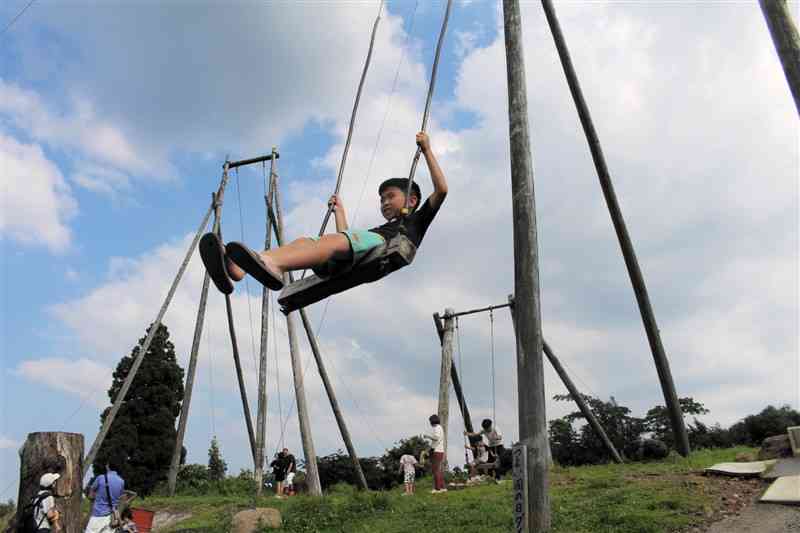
pixel 519 457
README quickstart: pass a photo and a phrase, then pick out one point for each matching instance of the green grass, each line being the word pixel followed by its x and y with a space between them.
pixel 631 498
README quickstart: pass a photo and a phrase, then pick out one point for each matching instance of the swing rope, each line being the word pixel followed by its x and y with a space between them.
pixel 246 282
pixel 351 127
pixel 460 373
pixel 491 334
pixel 431 86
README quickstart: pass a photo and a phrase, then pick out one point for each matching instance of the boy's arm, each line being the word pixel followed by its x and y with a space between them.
pixel 338 212
pixel 437 176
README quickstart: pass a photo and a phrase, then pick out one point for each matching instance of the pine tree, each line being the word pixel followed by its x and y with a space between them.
pixel 216 465
pixel 143 435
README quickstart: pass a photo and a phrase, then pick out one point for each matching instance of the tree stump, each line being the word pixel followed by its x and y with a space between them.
pixel 60 453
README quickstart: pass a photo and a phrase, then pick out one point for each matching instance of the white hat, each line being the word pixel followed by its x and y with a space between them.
pixel 48 479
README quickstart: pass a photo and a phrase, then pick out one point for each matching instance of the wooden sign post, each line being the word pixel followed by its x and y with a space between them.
pixel 519 469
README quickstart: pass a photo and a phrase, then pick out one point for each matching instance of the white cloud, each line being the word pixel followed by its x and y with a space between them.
pixel 83 377
pixel 76 126
pixel 37 201
pixel 7 443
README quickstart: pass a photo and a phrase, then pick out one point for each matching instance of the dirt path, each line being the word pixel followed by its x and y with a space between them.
pixel 761 518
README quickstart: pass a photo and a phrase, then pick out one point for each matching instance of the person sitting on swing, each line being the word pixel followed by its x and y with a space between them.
pixel 493 439
pixel 332 253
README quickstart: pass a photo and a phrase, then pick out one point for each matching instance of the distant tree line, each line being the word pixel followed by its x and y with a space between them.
pixel 634 437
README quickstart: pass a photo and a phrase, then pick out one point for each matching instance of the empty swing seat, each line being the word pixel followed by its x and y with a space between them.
pixel 382 260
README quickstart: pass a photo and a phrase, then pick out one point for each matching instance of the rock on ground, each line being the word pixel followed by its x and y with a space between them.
pixel 248 521
pixel 164 519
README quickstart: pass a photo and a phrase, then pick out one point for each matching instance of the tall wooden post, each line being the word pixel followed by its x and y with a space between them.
pixel 237 365
pixel 89 459
pixel 326 382
pixel 634 272
pixel 312 474
pixel 444 376
pixel 787 42
pixel 57 453
pixel 337 412
pixel 528 330
pixel 172 477
pixel 261 422
pixel 584 408
pixel 462 401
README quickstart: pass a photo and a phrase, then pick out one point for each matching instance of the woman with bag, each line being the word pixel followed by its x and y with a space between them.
pixel 105 490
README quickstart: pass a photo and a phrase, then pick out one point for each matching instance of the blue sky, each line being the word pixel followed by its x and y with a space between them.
pixel 115 121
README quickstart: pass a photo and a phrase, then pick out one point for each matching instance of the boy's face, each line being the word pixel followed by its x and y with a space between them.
pixel 392 202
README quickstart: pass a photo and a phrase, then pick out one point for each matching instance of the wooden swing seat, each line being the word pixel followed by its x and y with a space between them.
pixel 379 262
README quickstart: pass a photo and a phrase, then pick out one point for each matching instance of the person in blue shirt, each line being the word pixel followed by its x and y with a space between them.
pixel 106 490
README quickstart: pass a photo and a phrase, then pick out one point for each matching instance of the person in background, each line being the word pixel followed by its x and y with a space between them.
pixel 45 514
pixel 291 471
pixel 105 490
pixel 279 470
pixel 493 439
pixel 437 461
pixel 408 464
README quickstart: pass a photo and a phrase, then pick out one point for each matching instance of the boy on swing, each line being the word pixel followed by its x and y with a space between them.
pixel 333 252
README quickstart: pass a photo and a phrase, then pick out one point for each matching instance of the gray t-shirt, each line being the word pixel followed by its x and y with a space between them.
pixel 44 507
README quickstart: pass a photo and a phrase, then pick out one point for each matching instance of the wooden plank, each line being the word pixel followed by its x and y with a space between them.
pixel 379 262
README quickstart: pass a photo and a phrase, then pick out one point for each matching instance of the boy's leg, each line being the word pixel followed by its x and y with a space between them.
pixel 268 266
pixel 306 253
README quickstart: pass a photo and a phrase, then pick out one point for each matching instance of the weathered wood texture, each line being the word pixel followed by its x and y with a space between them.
pixel 462 401
pixel 787 42
pixel 377 263
pixel 444 377
pixel 89 459
pixel 60 453
pixel 326 382
pixel 584 408
pixel 628 253
pixel 312 473
pixel 261 413
pixel 172 477
pixel 528 325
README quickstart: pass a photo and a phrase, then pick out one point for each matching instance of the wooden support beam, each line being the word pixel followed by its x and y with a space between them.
pixel 237 363
pixel 261 418
pixel 787 42
pixel 57 453
pixel 337 412
pixel 584 408
pixel 89 459
pixel 269 157
pixel 528 328
pixel 312 473
pixel 444 377
pixel 172 477
pixel 462 402
pixel 377 263
pixel 326 382
pixel 628 253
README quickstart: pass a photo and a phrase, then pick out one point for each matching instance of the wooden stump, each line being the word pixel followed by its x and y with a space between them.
pixel 60 453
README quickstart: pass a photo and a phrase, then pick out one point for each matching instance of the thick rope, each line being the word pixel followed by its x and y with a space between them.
pixel 431 86
pixel 353 117
pixel 491 331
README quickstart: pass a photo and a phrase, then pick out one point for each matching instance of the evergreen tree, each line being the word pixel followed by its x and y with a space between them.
pixel 142 438
pixel 216 466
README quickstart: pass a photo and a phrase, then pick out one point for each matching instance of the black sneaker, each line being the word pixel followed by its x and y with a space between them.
pixel 213 255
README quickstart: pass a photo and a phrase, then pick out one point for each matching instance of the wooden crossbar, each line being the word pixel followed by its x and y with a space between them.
pixel 379 262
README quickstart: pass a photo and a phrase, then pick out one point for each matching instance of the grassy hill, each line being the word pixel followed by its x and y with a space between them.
pixel 669 495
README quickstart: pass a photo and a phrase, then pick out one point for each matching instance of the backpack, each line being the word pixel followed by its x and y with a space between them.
pixel 29 524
